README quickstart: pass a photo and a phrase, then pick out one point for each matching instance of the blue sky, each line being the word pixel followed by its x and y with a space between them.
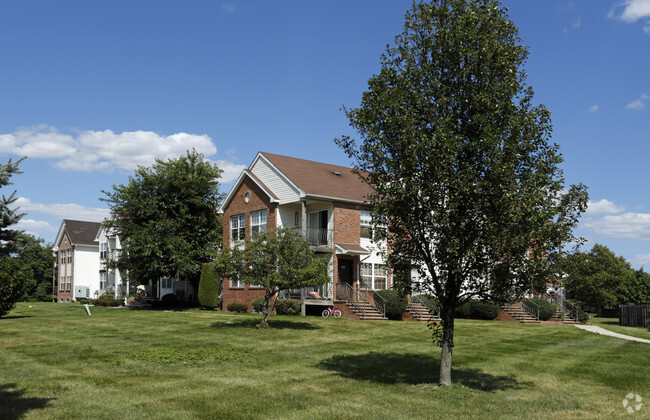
pixel 89 90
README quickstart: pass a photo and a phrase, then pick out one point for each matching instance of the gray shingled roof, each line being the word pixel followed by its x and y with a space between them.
pixel 80 232
pixel 322 179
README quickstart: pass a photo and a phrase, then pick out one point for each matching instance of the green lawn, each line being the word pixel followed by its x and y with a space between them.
pixel 612 325
pixel 56 362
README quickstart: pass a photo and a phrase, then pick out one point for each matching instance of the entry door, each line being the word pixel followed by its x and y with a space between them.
pixel 345 271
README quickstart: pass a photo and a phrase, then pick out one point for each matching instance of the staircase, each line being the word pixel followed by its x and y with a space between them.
pixel 421 313
pixel 517 311
pixel 364 310
pixel 358 305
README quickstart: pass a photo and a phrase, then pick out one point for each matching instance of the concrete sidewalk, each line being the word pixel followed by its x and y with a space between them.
pixel 599 330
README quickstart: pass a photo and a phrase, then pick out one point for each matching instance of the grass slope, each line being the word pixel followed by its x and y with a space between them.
pixel 56 362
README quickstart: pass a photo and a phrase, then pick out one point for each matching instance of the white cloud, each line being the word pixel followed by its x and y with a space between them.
pixel 640 260
pixel 638 104
pixel 62 210
pixel 575 25
pixel 624 226
pixel 227 7
pixel 633 10
pixel 603 206
pixel 34 227
pixel 230 170
pixel 593 108
pixel 106 150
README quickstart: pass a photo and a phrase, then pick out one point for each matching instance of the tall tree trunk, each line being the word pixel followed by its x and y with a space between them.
pixel 447 346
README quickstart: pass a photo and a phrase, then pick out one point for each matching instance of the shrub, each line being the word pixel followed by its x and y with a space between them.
pixel 209 287
pixel 237 307
pixel 106 300
pixel 13 281
pixel 396 303
pixel 258 304
pixel 83 301
pixel 478 309
pixel 546 308
pixel 287 306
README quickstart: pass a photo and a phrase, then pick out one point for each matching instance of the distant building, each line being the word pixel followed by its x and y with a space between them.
pixel 76 261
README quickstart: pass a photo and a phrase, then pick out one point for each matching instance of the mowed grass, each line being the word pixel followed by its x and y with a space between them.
pixel 56 362
pixel 612 325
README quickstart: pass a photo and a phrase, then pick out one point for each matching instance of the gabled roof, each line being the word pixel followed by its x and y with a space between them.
pixel 79 232
pixel 321 180
pixel 256 180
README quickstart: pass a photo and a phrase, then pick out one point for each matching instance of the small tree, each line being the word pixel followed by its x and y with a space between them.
pixel 461 161
pixel 209 287
pixel 8 216
pixel 279 259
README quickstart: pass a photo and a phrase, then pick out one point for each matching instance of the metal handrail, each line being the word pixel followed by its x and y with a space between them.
pixel 433 311
pixel 532 310
pixel 567 307
pixel 379 304
pixel 345 291
pixel 317 236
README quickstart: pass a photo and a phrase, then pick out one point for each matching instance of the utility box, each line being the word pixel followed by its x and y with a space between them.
pixel 81 292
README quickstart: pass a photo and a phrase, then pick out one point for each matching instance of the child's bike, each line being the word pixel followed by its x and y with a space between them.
pixel 331 311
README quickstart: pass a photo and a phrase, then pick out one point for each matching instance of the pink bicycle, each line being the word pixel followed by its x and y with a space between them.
pixel 332 311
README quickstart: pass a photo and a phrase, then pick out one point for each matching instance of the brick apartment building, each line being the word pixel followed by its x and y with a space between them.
pixel 327 204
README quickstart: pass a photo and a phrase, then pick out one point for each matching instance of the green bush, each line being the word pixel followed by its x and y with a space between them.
pixel 546 308
pixel 106 300
pixel 258 304
pixel 478 309
pixel 237 307
pixel 83 301
pixel 13 282
pixel 209 287
pixel 287 307
pixel 396 303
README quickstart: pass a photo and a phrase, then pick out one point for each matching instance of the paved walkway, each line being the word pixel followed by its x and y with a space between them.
pixel 599 330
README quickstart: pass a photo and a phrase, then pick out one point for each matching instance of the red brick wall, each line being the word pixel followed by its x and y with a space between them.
pixel 505 316
pixel 347 223
pixel 258 201
pixel 67 294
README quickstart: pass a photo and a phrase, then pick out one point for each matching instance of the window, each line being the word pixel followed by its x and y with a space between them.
pixel 258 222
pixel 235 282
pixel 69 285
pixel 102 249
pixel 238 227
pixel 102 280
pixel 62 257
pixel 69 256
pixel 165 282
pixel 373 276
pixel 366 276
pixel 62 283
pixel 366 224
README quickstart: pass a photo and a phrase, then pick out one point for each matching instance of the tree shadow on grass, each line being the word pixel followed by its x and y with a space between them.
pixel 14 405
pixel 16 317
pixel 414 369
pixel 273 323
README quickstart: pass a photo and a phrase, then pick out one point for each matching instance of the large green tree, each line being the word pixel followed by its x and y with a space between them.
pixel 600 279
pixel 13 277
pixel 279 259
pixel 35 256
pixel 8 216
pixel 166 218
pixel 461 160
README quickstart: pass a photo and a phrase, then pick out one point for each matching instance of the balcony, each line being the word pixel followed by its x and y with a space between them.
pixel 319 238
